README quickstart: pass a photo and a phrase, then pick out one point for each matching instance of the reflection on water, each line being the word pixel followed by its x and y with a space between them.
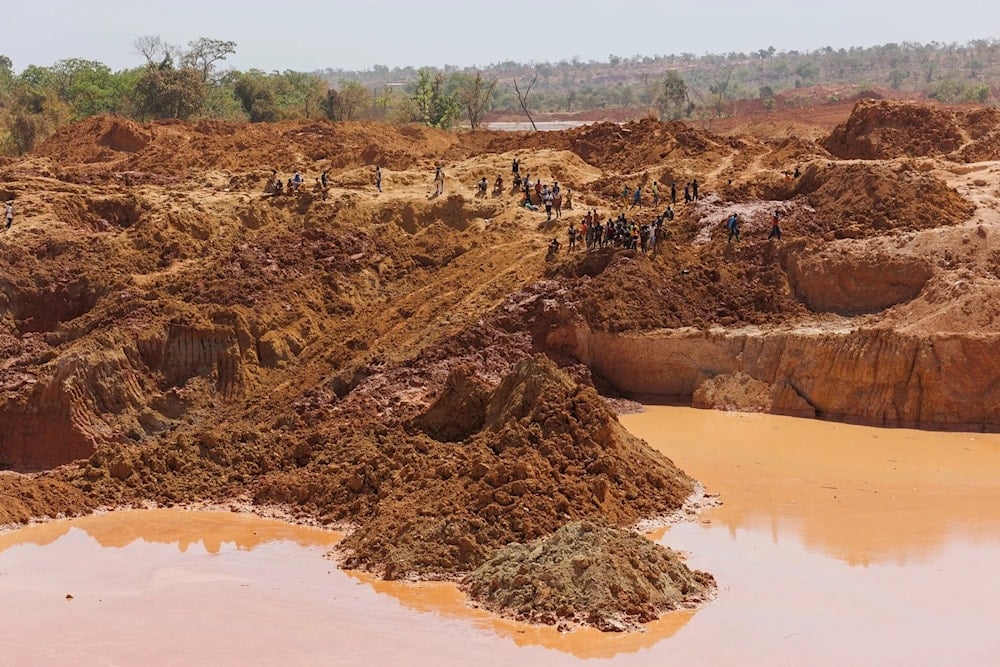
pixel 834 545
pixel 446 599
pixel 860 494
pixel 541 126
pixel 182 529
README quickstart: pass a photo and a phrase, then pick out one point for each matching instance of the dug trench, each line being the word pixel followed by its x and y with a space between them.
pixel 415 368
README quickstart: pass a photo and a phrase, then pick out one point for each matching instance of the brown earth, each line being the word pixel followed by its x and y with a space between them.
pixel 610 578
pixel 170 334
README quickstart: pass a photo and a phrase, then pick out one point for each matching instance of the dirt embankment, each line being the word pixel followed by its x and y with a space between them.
pixel 886 129
pixel 174 335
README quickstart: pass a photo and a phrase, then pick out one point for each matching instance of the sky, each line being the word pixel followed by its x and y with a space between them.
pixel 345 34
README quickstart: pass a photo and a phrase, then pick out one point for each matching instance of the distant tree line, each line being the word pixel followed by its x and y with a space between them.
pixel 189 82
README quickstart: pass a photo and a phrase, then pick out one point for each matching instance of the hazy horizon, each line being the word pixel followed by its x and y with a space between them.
pixel 357 36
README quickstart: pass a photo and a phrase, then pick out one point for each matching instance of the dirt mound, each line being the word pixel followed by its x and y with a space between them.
pixel 24 498
pixel 584 573
pixel 682 287
pixel 860 200
pixel 166 147
pixel 124 136
pixel 885 129
pixel 549 451
pixel 640 145
pixel 983 129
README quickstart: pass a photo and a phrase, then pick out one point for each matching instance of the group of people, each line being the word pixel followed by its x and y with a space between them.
pixel 619 232
pixel 551 197
pixel 482 186
pixel 294 185
pixel 633 198
pixel 691 191
pixel 275 185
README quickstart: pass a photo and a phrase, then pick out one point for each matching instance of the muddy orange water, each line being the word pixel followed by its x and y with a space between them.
pixel 834 545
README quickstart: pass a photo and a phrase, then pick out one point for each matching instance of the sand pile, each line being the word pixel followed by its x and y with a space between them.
pixel 542 450
pixel 166 147
pixel 858 200
pixel 586 573
pixel 644 144
pixel 982 126
pixel 25 498
pixel 885 129
pixel 682 287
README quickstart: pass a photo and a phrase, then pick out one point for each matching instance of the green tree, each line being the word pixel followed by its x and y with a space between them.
pixel 257 95
pixel 350 101
pixel 300 95
pixel 670 95
pixel 30 115
pixel 91 88
pixel 947 90
pixel 434 106
pixel 807 70
pixel 164 91
pixel 896 78
pixel 474 94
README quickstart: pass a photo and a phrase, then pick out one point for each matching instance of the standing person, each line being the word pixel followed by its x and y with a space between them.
pixel 9 214
pixel 656 193
pixel 626 191
pixel 324 178
pixel 527 188
pixel 547 198
pixel 438 181
pixel 572 236
pixel 734 228
pixel 515 167
pixel 673 193
pixel 637 197
pixel 775 228
pixel 694 189
pixel 687 193
pixel 378 178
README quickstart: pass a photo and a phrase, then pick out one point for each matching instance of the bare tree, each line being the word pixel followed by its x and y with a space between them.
pixel 154 49
pixel 721 88
pixel 204 53
pixel 523 99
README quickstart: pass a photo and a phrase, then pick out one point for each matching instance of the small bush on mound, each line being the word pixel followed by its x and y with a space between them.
pixel 609 578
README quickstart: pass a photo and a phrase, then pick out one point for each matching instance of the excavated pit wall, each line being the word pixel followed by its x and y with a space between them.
pixel 872 376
